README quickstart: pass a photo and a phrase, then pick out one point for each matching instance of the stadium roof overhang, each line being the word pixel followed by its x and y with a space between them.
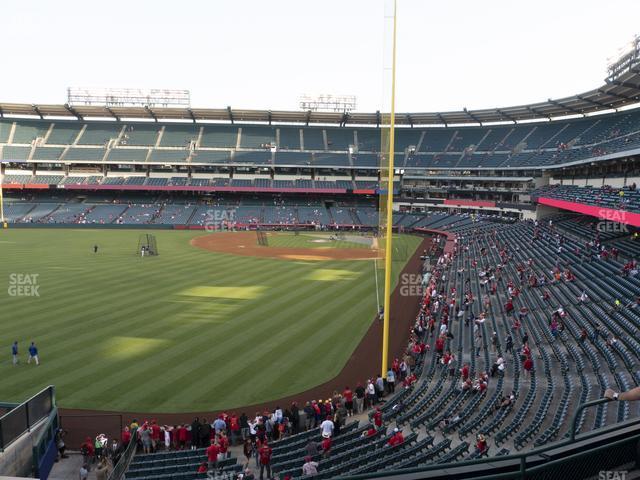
pixel 615 94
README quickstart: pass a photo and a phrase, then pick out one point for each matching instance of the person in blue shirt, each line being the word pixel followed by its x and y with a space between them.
pixel 33 354
pixel 391 381
pixel 219 425
pixel 14 352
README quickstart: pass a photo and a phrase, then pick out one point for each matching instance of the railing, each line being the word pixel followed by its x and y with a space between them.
pixel 576 415
pixel 123 463
pixel 45 450
pixel 23 417
pixel 578 456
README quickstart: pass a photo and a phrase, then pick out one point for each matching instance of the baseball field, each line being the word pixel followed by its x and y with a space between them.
pixel 215 321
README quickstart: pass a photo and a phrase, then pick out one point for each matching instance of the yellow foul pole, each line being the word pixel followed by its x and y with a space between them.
pixel 389 233
pixel 1 204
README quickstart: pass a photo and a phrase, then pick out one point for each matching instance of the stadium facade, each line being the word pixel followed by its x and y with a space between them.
pixel 460 174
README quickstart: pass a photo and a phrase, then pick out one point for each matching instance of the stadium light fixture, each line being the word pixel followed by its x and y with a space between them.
pixel 628 60
pixel 128 97
pixel 328 103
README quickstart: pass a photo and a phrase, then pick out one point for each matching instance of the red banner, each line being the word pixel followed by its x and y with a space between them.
pixel 608 214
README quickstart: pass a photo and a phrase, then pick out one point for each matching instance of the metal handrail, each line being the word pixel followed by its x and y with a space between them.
pixel 522 457
pixel 29 422
pixel 576 415
pixel 121 467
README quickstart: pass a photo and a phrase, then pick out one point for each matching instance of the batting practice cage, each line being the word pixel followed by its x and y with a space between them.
pixel 261 238
pixel 147 245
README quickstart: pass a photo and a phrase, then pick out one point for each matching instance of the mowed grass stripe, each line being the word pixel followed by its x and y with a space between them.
pixel 104 300
pixel 176 276
pixel 307 351
pixel 172 356
pixel 179 353
pixel 247 333
pixel 87 327
pixel 200 268
pixel 150 329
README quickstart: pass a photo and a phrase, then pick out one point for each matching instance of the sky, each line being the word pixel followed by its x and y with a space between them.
pixel 264 55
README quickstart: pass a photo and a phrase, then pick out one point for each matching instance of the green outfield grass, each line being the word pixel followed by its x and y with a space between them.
pixel 189 330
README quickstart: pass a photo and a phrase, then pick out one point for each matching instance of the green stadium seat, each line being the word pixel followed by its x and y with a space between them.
pixel 64 133
pixel 100 133
pixel 179 135
pixel 10 152
pixel 219 136
pixel 27 131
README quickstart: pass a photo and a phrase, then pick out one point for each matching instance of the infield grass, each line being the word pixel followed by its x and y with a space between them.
pixel 189 330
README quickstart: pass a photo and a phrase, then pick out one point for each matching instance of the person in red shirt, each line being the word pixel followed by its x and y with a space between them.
pixel 528 365
pixel 177 434
pixel 264 455
pixel 377 418
pixel 348 400
pixel 395 366
pixel 409 380
pixel 202 468
pixel 508 307
pixel 212 455
pixel 370 433
pixel 234 426
pixel 326 447
pixel 465 371
pixel 481 444
pixel 431 325
pixel 439 347
pixel 396 439
pixel 223 445
pixel 125 437
pixel 447 358
pixel 87 451
pixel 155 434
pixel 182 436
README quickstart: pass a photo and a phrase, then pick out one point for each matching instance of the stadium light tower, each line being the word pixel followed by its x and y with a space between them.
pixel 627 60
pixel 128 97
pixel 328 103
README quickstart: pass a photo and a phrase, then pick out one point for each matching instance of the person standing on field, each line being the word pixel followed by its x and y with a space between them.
pixel 33 354
pixel 14 352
